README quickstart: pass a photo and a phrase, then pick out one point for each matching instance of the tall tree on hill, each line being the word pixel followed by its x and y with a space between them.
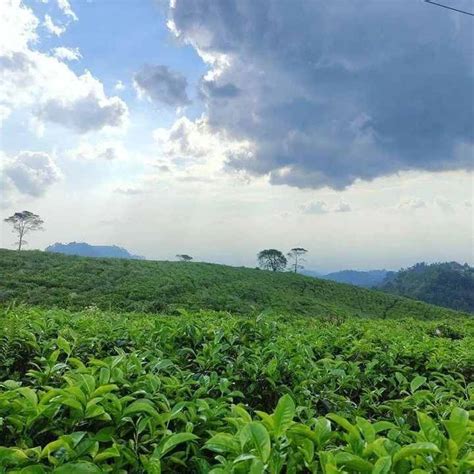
pixel 296 255
pixel 24 222
pixel 182 257
pixel 272 259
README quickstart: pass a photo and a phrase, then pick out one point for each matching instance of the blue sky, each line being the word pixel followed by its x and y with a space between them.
pixel 175 127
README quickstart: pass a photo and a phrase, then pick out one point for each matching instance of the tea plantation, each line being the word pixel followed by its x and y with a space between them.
pixel 327 379
pixel 55 280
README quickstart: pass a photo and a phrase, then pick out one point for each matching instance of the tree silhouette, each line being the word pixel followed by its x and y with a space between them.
pixel 272 259
pixel 184 257
pixel 24 222
pixel 296 255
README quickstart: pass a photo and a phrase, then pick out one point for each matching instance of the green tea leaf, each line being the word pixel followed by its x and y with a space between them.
pixel 174 440
pixel 416 383
pixel 283 415
pixel 257 434
pixel 415 449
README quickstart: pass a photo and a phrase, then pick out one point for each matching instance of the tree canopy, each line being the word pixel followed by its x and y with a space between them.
pixel 183 257
pixel 272 259
pixel 296 255
pixel 24 222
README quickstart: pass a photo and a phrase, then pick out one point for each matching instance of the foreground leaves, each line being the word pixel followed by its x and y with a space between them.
pixel 211 393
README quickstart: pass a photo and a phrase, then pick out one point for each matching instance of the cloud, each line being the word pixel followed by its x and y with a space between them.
pixel 332 92
pixel 29 173
pixel 68 54
pixel 130 191
pixel 195 141
pixel 101 151
pixel 52 27
pixel 119 86
pixel 85 110
pixel 343 207
pixel 315 207
pixel 412 203
pixel 444 204
pixel 161 85
pixel 44 86
pixel 211 89
pixel 65 7
pixel 321 207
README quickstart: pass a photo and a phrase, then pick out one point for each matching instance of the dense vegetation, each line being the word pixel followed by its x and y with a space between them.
pixel 94 392
pixel 55 280
pixel 445 284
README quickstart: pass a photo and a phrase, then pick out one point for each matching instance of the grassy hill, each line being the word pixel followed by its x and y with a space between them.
pixel 54 280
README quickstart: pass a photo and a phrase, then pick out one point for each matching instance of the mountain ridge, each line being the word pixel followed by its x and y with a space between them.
pixel 84 249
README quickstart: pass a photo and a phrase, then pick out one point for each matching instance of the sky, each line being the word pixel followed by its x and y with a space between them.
pixel 220 128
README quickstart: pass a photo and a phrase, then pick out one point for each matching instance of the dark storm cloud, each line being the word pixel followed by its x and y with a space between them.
pixel 160 84
pixel 330 92
pixel 212 89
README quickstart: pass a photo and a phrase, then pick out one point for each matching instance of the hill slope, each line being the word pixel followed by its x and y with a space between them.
pixel 50 280
pixel 447 284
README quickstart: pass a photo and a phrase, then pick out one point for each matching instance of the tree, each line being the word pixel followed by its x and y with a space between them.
pixel 272 259
pixel 24 222
pixel 184 257
pixel 296 255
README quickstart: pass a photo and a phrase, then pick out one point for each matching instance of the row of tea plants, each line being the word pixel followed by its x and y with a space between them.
pixel 94 392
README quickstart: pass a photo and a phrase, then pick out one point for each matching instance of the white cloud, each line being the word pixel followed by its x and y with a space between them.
pixel 54 29
pixel 119 86
pixel 65 7
pixel 28 173
pixel 444 204
pixel 17 27
pixel 128 191
pixel 44 86
pixel 343 207
pixel 315 207
pixel 412 203
pixel 100 151
pixel 68 54
pixel 196 142
pixel 321 207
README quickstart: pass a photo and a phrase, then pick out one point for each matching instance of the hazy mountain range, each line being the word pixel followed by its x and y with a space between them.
pixel 366 279
pixel 86 250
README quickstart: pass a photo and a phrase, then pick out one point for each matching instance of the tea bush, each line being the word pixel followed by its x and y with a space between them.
pixel 94 391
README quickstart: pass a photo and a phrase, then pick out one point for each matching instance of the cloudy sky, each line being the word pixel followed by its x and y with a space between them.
pixel 218 128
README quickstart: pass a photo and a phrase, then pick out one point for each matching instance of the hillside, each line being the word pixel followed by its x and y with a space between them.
pixel 83 249
pixel 447 284
pixel 55 280
pixel 366 279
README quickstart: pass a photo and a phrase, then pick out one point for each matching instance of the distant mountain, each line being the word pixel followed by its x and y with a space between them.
pixel 312 273
pixel 447 284
pixel 86 250
pixel 366 279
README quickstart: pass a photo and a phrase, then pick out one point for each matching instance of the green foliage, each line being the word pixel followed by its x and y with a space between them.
pixel 54 280
pixel 444 284
pixel 206 392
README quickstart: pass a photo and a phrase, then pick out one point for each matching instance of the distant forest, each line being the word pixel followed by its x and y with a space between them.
pixel 447 284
